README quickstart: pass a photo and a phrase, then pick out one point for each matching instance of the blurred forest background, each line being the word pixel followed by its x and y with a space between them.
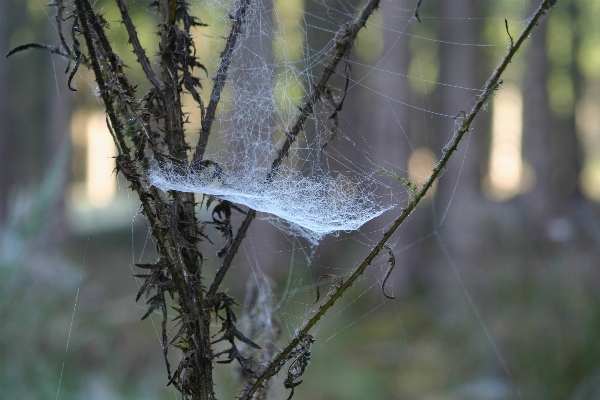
pixel 523 231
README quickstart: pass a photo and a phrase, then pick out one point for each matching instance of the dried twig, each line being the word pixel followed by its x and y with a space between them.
pixel 173 224
pixel 137 47
pixel 336 280
pixel 344 41
pixel 38 46
pixel 512 42
pixel 220 79
pixel 392 262
pixel 416 12
pixel 231 254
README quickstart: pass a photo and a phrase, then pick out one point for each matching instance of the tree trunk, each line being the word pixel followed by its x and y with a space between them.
pixel 459 199
pixel 8 146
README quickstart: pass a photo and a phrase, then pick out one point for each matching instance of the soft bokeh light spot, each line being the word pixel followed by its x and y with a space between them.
pixel 587 116
pixel 288 49
pixel 505 176
pixel 424 63
pixel 420 164
pixel 560 42
pixel 369 44
pixel 561 94
pixel 588 57
pixel 101 183
pixel 289 41
pixel 91 149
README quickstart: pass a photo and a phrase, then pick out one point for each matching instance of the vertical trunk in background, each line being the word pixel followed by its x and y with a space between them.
pixel 7 142
pixel 536 135
pixel 58 103
pixel 376 123
pixel 386 123
pixel 463 229
pixel 380 115
pixel 550 143
pixel 550 147
pixel 255 51
pixel 579 85
pixel 33 118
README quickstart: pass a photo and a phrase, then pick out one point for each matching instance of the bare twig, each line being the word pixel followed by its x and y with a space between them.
pixel 492 84
pixel 137 47
pixel 220 79
pixel 60 7
pixel 335 280
pixel 344 41
pixel 392 262
pixel 231 252
pixel 512 42
pixel 416 12
pixel 38 46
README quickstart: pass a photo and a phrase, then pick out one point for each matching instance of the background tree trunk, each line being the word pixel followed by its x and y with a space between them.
pixel 459 198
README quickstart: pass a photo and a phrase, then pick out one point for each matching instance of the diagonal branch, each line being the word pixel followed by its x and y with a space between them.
pixel 124 161
pixel 220 79
pixel 86 14
pixel 416 11
pixel 241 233
pixel 491 85
pixel 344 42
pixel 137 47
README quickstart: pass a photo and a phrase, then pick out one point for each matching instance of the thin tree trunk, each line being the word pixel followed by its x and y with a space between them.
pixel 538 132
pixel 459 199
pixel 386 125
pixel 7 136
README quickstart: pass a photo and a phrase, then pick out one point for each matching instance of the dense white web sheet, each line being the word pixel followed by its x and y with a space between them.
pixel 320 204
pixel 304 196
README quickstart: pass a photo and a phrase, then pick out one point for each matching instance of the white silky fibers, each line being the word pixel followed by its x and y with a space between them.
pixel 319 204
pixel 304 197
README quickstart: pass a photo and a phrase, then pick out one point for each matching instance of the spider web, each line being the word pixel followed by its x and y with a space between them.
pixel 331 181
pixel 314 192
